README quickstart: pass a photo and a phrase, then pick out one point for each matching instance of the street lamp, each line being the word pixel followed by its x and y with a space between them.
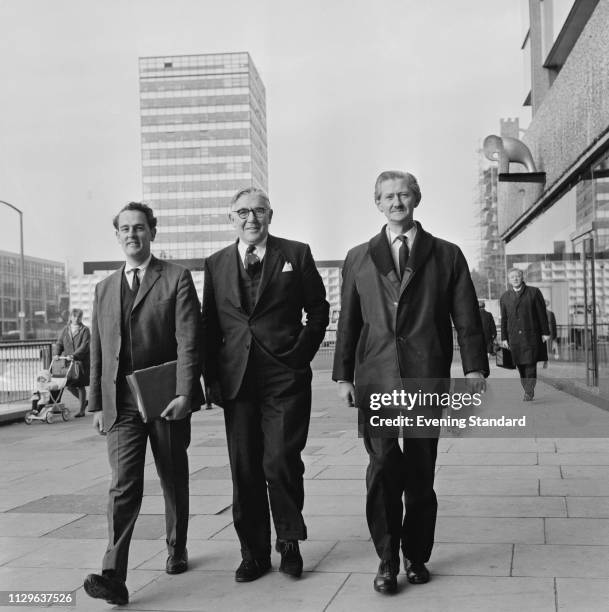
pixel 21 272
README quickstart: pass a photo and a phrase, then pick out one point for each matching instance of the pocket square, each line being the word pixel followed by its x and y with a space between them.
pixel 287 267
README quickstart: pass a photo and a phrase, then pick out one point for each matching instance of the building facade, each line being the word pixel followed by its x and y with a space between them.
pixel 203 131
pixel 45 284
pixel 561 225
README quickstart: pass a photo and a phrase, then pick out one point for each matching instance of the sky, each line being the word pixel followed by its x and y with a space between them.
pixel 354 87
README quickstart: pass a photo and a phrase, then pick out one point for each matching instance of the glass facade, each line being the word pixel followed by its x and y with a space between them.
pixel 45 283
pixel 565 252
pixel 203 129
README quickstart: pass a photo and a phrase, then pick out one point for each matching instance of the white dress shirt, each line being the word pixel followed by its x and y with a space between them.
pixel 129 274
pixel 260 250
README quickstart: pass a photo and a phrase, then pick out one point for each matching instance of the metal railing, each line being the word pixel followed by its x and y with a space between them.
pixel 20 363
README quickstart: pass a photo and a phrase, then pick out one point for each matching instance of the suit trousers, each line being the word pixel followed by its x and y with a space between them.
pixel 528 376
pixel 266 429
pixel 393 472
pixel 127 440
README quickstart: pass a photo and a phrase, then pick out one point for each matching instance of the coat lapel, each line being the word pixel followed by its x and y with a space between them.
pixel 232 261
pixel 419 254
pixel 271 265
pixel 380 252
pixel 153 274
pixel 115 294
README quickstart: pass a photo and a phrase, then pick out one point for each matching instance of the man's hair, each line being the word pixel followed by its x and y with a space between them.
pixel 516 270
pixel 389 175
pixel 250 191
pixel 150 218
pixel 76 312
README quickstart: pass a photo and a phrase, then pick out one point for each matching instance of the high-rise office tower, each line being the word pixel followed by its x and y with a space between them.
pixel 203 121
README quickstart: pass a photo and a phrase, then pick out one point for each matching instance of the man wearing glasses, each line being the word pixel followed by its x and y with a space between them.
pixel 256 361
pixel 400 292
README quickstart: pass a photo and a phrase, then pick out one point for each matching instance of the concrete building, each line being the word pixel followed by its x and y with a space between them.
pixel 45 283
pixel 565 215
pixel 203 129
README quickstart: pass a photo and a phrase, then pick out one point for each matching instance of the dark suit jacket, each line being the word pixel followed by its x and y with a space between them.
pixel 289 284
pixel 165 326
pixel 523 322
pixel 389 329
pixel 552 324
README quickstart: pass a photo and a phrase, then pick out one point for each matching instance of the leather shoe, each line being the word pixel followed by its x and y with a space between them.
pixel 252 569
pixel 417 573
pixel 386 579
pixel 291 559
pixel 527 397
pixel 177 564
pixel 108 587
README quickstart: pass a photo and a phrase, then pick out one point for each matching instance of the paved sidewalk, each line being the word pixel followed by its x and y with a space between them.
pixel 523 523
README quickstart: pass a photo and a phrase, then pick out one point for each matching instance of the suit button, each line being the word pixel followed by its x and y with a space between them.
pixel 247 346
pixel 401 339
pixel 395 304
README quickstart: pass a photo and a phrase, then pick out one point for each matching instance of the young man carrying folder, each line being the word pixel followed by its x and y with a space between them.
pixel 145 314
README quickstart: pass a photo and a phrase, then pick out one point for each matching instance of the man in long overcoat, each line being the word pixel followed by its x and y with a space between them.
pixel 524 329
pixel 400 291
pixel 488 327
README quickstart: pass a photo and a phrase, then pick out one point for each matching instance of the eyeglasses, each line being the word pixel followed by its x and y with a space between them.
pixel 244 213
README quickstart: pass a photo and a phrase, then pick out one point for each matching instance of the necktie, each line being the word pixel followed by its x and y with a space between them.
pixel 252 261
pixel 135 285
pixel 403 254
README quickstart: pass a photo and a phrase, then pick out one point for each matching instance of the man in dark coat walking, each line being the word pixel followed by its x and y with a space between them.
pixel 488 327
pixel 400 291
pixel 524 329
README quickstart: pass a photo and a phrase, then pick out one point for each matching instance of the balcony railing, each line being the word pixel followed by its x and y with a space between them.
pixel 20 363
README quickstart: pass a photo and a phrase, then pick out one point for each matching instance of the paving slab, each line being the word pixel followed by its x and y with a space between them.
pixel 594 531
pixel 575 561
pixel 199 504
pixel 587 507
pixel 574 458
pixel 599 472
pixel 574 487
pixel 203 527
pixel 489 530
pixel 487 458
pixel 57 504
pixel 95 526
pixel 501 506
pixel 467 484
pixel 475 594
pixel 582 594
pixel 34 524
pixel 83 554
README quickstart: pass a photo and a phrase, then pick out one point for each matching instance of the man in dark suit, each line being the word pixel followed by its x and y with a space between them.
pixel 145 314
pixel 524 329
pixel 256 359
pixel 400 291
pixel 488 327
pixel 552 343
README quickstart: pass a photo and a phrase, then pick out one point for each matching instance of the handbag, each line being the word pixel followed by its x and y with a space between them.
pixel 75 374
pixel 503 359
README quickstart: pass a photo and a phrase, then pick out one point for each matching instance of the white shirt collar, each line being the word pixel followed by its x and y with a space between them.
pixel 142 268
pixel 410 235
pixel 260 249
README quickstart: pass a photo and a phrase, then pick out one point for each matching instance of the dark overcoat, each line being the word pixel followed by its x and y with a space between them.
pixel 289 284
pixel 390 329
pixel 78 346
pixel 523 322
pixel 165 326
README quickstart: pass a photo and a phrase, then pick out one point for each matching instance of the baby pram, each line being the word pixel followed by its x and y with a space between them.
pixel 51 384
